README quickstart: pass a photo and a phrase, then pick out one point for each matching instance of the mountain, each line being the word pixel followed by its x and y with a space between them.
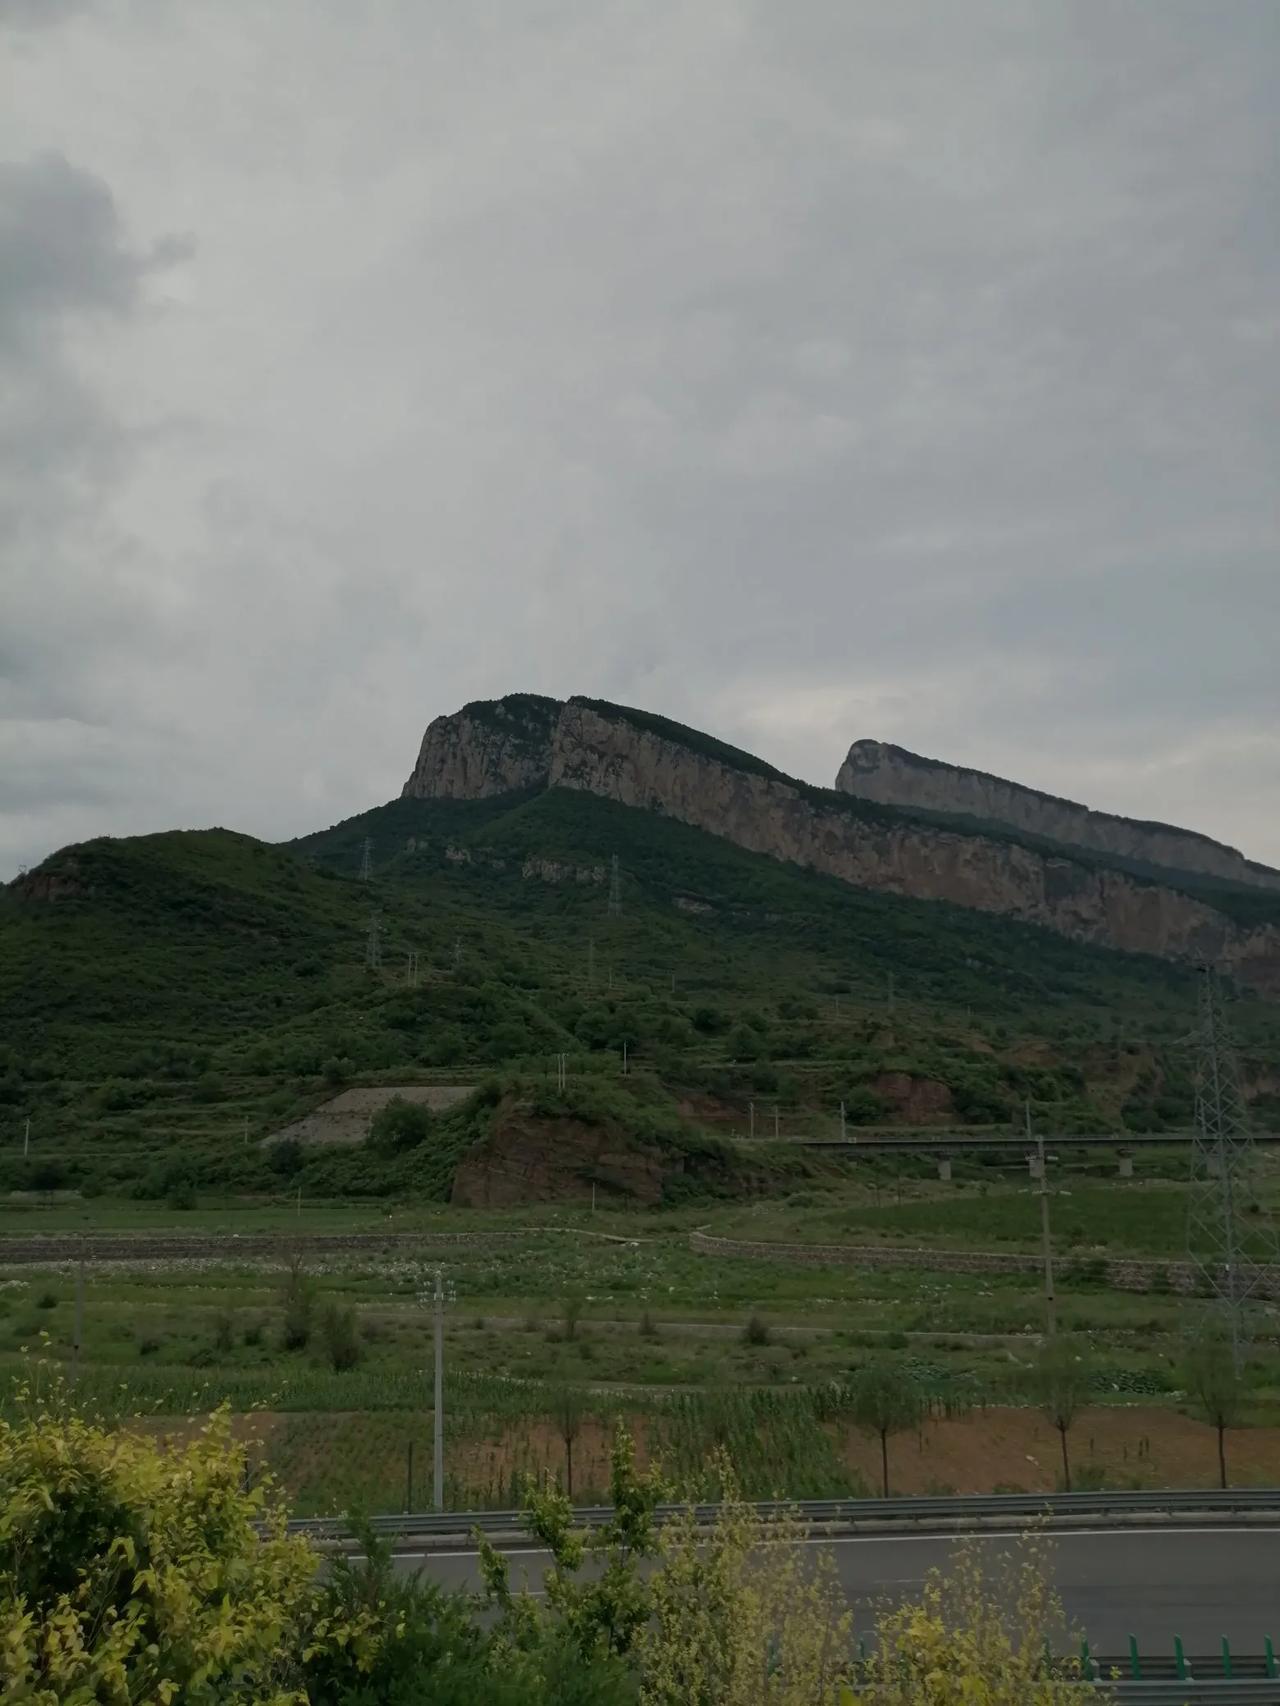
pixel 169 1002
pixel 1116 897
pixel 893 776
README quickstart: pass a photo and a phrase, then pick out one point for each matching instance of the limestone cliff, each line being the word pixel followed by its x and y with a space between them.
pixel 892 776
pixel 492 746
pixel 646 762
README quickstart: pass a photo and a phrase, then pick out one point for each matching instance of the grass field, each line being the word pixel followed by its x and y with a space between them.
pixel 618 1308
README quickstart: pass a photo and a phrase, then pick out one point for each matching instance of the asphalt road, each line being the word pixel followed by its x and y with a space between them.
pixel 1200 1583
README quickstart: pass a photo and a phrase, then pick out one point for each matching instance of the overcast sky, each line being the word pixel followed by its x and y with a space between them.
pixel 802 371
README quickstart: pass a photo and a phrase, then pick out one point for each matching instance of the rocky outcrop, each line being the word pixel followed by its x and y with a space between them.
pixel 645 762
pixel 528 1160
pixel 892 776
pixel 492 746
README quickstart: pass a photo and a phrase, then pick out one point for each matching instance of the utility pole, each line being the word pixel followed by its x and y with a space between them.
pixel 457 950
pixel 775 1120
pixel 1046 1243
pixel 78 1331
pixel 751 1119
pixel 26 1141
pixel 437 1476
pixel 843 1132
pixel 624 1057
pixel 435 1297
pixel 561 1071
pixel 246 1131
pixel 411 973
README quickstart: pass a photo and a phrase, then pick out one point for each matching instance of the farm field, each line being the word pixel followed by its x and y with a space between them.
pixel 618 1311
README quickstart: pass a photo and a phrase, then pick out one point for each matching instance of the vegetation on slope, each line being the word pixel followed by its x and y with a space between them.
pixel 186 995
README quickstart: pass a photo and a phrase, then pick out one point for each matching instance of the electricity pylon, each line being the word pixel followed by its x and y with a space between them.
pixel 1222 1176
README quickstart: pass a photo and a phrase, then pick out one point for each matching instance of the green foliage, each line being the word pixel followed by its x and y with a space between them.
pixel 341 1337
pixel 128 1573
pixel 884 1399
pixel 297 1306
pixel 1216 1384
pixel 400 1125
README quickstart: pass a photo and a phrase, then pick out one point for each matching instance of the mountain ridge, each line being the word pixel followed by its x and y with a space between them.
pixel 894 775
pixel 642 760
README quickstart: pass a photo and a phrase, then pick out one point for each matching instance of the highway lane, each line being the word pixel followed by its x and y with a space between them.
pixel 1197 1582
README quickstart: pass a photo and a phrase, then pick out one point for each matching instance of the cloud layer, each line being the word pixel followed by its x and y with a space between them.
pixel 802 373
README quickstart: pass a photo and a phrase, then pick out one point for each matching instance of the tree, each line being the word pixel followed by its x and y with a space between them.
pixel 883 1399
pixel 1217 1387
pixel 298 1296
pixel 571 1307
pixel 1060 1385
pixel 569 1412
pixel 400 1125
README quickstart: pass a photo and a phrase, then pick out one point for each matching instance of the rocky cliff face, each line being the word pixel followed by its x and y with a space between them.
pixel 641 762
pixel 493 746
pixel 894 777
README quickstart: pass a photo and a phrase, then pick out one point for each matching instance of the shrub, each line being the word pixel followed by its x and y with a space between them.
pixel 400 1125
pixel 224 1331
pixel 46 1300
pixel 136 1572
pixel 756 1332
pixel 148 1345
pixel 648 1326
pixel 341 1339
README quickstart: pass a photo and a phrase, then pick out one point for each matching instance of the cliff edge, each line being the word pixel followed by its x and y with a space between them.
pixel 892 776
pixel 649 763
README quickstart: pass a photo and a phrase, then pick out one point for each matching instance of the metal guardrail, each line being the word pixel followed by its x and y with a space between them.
pixel 850 1513
pixel 1217 1691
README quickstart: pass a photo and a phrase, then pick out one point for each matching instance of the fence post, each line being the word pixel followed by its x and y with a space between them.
pixel 1135 1663
pixel 1226 1657
pixel 408 1480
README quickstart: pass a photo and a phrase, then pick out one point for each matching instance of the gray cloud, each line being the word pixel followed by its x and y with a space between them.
pixel 900 371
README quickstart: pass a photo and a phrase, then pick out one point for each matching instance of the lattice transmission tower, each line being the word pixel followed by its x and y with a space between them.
pixel 373 943
pixel 366 859
pixel 1224 1239
pixel 615 888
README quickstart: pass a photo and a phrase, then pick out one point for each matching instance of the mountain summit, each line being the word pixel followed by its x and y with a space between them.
pixel 969 840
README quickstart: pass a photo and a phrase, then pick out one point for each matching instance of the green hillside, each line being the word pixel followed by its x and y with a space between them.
pixel 185 995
